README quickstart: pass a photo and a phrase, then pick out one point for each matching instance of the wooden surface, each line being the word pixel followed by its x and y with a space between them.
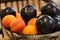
pixel 18 5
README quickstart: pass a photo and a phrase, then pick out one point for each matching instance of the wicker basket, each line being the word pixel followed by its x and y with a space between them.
pixel 13 36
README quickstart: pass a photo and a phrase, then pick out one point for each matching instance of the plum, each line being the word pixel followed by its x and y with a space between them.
pixel 7 11
pixel 47 0
pixel 28 12
pixel 57 23
pixel 45 24
pixel 50 9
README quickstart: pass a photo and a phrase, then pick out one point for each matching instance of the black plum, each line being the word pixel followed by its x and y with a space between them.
pixel 45 24
pixel 47 0
pixel 50 9
pixel 28 12
pixel 7 11
pixel 58 11
pixel 57 23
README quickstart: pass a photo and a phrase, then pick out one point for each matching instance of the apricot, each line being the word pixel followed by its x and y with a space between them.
pixel 17 26
pixel 7 20
pixel 32 21
pixel 18 16
pixel 30 29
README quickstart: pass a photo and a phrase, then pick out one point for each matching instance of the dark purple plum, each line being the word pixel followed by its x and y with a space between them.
pixel 50 9
pixel 7 11
pixel 45 24
pixel 47 0
pixel 57 23
pixel 28 12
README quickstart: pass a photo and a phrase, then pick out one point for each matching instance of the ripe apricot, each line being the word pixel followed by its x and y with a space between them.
pixel 17 26
pixel 18 16
pixel 30 29
pixel 32 21
pixel 7 20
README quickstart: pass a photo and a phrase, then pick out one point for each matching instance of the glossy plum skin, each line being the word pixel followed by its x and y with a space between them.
pixel 45 24
pixel 50 9
pixel 57 23
pixel 28 12
pixel 47 0
pixel 7 11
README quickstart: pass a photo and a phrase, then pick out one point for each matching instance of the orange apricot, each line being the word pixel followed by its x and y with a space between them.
pixel 17 25
pixel 32 21
pixel 30 29
pixel 18 16
pixel 7 20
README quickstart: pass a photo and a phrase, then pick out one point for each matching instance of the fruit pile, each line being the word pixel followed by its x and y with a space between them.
pixel 27 22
